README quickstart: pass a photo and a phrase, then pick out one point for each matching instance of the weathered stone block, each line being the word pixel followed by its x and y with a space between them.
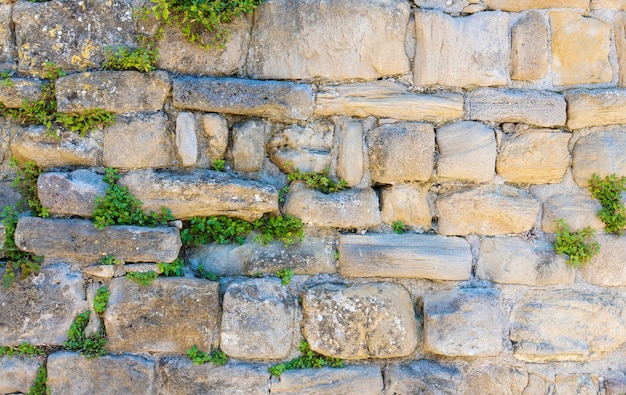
pixel 18 374
pixel 215 129
pixel 248 148
pixel 71 193
pixel 529 43
pixel 377 28
pixel 186 139
pixel 374 320
pixel 602 153
pixel 577 209
pixel 423 376
pixel 306 148
pixel 201 193
pixel 364 380
pixel 21 89
pixel 607 268
pixel 284 101
pixel 170 315
pixel 595 108
pixel 461 51
pixel 105 271
pixel 463 322
pixel 79 239
pixel 350 158
pixel 619 27
pixel 615 383
pixel 567 325
pixel 610 4
pixel 407 203
pixel 7 36
pixel 405 256
pixel 577 384
pixel 521 5
pixel 499 380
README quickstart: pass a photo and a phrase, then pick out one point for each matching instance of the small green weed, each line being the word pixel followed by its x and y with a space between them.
pixel 219 164
pixel 216 356
pixel 125 58
pixel 580 246
pixel 283 228
pixel 142 278
pixel 282 194
pixel 79 342
pixel 318 181
pixel 398 227
pixel 201 272
pixel 174 269
pixel 40 386
pixel 5 79
pixel 25 182
pixel 110 260
pixel 285 275
pixel 101 300
pixel 308 359
pixel 336 255
pixel 609 193
pixel 17 261
pixel 24 349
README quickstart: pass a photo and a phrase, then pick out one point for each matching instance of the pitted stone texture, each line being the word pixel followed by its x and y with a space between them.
pixel 306 148
pixel 619 27
pixel 18 374
pixel 170 315
pixel 615 383
pixel 384 99
pixel 186 139
pixel 39 310
pixel 534 157
pixel 499 380
pixel 284 101
pixel 7 36
pixel 595 108
pixel 72 35
pixel 529 42
pixel 363 380
pixel 21 89
pixel 607 268
pixel 546 109
pixel 248 148
pixel 463 322
pixel 349 209
pixel 580 49
pixel 567 325
pixel 467 152
pixel 423 377
pixel 602 153
pixel 71 373
pixel 258 320
pixel 202 194
pixel 78 238
pixel 512 260
pixel 348 40
pixel 179 376
pixel 463 52
pixel 405 256
pixel 407 203
pixel 374 320
pixel 215 129
pixel 350 158
pixel 521 5
pixel 401 152
pixel 565 384
pixel 71 193
pixel 579 210
pixel 487 210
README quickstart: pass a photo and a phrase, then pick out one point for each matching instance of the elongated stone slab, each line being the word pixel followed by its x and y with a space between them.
pixel 363 380
pixel 423 376
pixel 596 108
pixel 521 5
pixel 405 256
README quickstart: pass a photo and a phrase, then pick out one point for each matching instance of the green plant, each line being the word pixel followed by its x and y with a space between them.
pixel 101 300
pixel 78 341
pixel 580 246
pixel 285 275
pixel 124 58
pixel 110 260
pixel 219 164
pixel 25 182
pixel 283 228
pixel 40 386
pixel 17 261
pixel 609 192
pixel 24 349
pixel 206 274
pixel 398 227
pixel 319 181
pixel 5 79
pixel 336 255
pixel 142 278
pixel 282 194
pixel 308 359
pixel 216 356
pixel 174 269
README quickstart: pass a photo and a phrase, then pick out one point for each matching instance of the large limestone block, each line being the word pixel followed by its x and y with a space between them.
pixel 248 147
pixel 407 203
pixel 374 320
pixel 461 51
pixel 607 269
pixel 71 373
pixel 579 210
pixel 70 193
pixel 363 380
pixel 170 315
pixel 487 210
pixel 349 209
pixel 336 41
pixel 501 380
pixel 401 152
pixel 463 322
pixel 405 256
pixel 18 374
pixel 201 193
pixel 179 376
pixel 21 89
pixel 546 109
pixel 567 325
pixel 529 43
pixel 521 5
pixel 512 260
pixel 384 99
pixel 7 36
pixel 595 108
pixel 534 157
pixel 307 148
pixel 350 158
pixel 78 238
pixel 39 310
pixel 602 153
pixel 580 49
pixel 284 101
pixel 114 91
pixel 425 377
pixel 467 152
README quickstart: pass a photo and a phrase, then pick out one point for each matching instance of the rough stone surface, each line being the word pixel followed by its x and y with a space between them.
pixel 461 51
pixel 71 193
pixel 350 158
pixel 40 309
pixel 576 384
pixel 532 107
pixel 364 380
pixel 405 256
pixel 423 377
pixel 21 89
pixel 521 5
pixel 567 325
pixel 285 101
pixel 105 271
pixel 602 153
pixel 248 148
pixel 529 43
pixel 71 373
pixel 595 108
pixel 577 209
pixel 142 319
pixel 186 139
pixel 258 320
pixel 215 128
pixel 607 268
pixel 407 203
pixel 201 193
pixel 499 380
pixel 615 383
pixel 79 239
pixel 620 43
pixel 18 374
pixel 610 4
pixel 387 99
pixel 7 36
pixel 306 148
pixel 580 49
pixel 516 261
pixel 488 210
pixel 344 41
pixel 467 152
pixel 374 320
pixel 463 322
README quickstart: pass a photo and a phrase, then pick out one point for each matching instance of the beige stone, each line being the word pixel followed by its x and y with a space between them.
pixel 350 158
pixel 363 380
pixel 186 139
pixel 521 5
pixel 529 43
pixel 306 148
pixel 610 4
pixel 565 384
pixel 18 374
pixel 21 89
pixel 607 268
pixel 423 376
pixel 595 108
pixel 407 203
pixel 602 153
pixel 72 193
pixel 215 129
pixel 449 7
pixel 577 209
pixel 105 271
pixel 248 148
pixel 619 27
pixel 580 49
pixel 498 380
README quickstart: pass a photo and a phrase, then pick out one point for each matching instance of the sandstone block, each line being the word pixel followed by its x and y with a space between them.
pixel 602 153
pixel 578 211
pixel 306 148
pixel 463 322
pixel 521 5
pixel 284 101
pixel 500 380
pixel 186 139
pixel 79 239
pixel 374 320
pixel 620 42
pixel 365 380
pixel 376 28
pixel 7 36
pixel 529 43
pixel 18 374
pixel 595 108
pixel 405 256
pixel 487 210
pixel 170 315
pixel 567 325
pixel 463 52
pixel 71 193
pixel 607 268
pixel 423 376
pixel 21 89
pixel 407 203
pixel 350 158
pixel 610 4
pixel 215 129
pixel 577 384
pixel 201 193
pixel 249 145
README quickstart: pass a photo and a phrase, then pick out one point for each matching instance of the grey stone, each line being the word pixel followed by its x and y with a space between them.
pixel 364 380
pixel 284 101
pixel 71 193
pixel 498 380
pixel 105 271
pixel 595 108
pixel 579 210
pixel 565 384
pixel 449 7
pixel 306 148
pixel 517 5
pixel 607 267
pixel 186 139
pixel 170 315
pixel 18 374
pixel 9 196
pixel 350 158
pixel 215 129
pixel 21 89
pixel 248 148
pixel 407 203
pixel 7 35
pixel 405 256
pixel 423 377
pixel 602 153
pixel 78 238
pixel 615 383
pixel 529 43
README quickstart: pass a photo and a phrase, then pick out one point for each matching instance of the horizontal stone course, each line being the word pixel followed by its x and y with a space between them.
pixel 521 5
pixel 587 108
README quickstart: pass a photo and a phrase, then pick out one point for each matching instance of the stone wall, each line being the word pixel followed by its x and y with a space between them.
pixel 477 123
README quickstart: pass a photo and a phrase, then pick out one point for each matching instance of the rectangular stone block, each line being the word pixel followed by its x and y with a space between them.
pixel 595 108
pixel 407 203
pixel 423 376
pixel 602 153
pixel 21 89
pixel 18 374
pixel 529 48
pixel 521 5
pixel 71 193
pixel 607 269
pixel 362 380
